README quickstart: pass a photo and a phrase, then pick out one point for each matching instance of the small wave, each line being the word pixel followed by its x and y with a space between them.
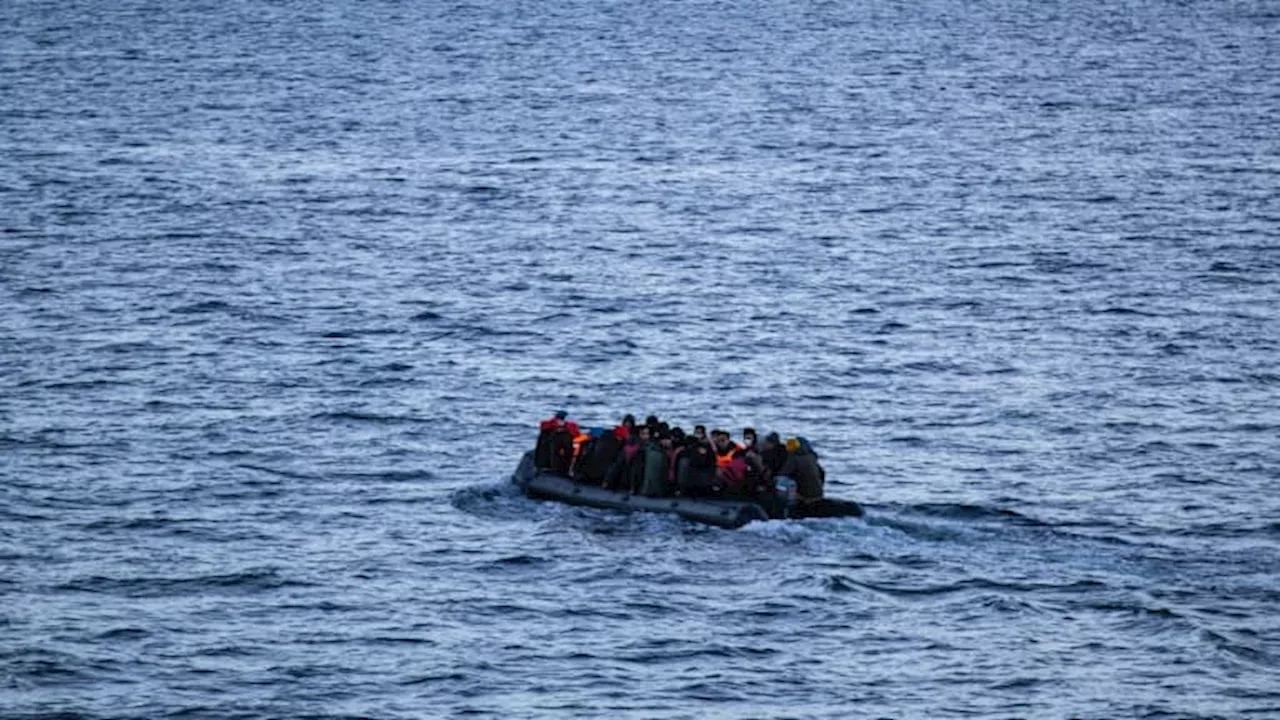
pixel 357 416
pixel 251 581
pixel 979 584
pixel 970 513
pixel 276 471
pixel 839 584
pixel 209 306
pixel 388 475
pixel 1018 683
pixel 125 633
pixel 1252 654
pixel 1120 310
pixel 361 332
pixel 39 666
pixel 521 560
pixel 453 677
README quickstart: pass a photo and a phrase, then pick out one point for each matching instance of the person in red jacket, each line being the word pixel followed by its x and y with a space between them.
pixel 554 450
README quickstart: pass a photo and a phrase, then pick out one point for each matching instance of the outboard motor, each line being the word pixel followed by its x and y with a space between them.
pixel 785 494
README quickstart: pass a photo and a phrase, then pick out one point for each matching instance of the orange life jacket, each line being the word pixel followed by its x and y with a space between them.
pixel 578 441
pixel 726 457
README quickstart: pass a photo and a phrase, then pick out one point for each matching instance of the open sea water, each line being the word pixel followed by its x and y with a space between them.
pixel 286 287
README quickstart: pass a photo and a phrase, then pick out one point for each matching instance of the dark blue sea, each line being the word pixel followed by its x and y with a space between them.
pixel 287 286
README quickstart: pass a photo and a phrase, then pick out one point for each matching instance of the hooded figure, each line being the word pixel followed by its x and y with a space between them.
pixel 802 465
pixel 595 465
pixel 656 467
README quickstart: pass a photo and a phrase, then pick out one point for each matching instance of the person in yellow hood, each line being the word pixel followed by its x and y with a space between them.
pixel 802 465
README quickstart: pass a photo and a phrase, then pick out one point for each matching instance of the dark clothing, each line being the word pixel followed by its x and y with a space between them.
pixel 554 450
pixel 774 458
pixel 626 467
pixel 757 483
pixel 802 465
pixel 700 454
pixel 696 475
pixel 633 481
pixel 595 463
pixel 656 469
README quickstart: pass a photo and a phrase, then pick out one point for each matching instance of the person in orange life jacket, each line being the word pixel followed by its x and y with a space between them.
pixel 726 449
pixel 554 450
pixel 731 463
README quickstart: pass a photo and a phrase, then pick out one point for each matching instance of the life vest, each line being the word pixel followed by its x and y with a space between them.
pixel 726 457
pixel 580 442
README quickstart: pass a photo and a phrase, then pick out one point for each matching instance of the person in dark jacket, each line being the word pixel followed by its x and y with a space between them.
pixel 773 454
pixel 632 454
pixel 633 476
pixel 675 446
pixel 600 456
pixel 696 475
pixel 802 465
pixel 627 472
pixel 656 468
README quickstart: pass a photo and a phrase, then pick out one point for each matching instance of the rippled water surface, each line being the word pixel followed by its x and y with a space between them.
pixel 286 287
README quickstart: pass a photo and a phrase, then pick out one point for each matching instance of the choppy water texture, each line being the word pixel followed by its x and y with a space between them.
pixel 286 286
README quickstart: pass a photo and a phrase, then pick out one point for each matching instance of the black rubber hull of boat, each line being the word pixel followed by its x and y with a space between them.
pixel 724 513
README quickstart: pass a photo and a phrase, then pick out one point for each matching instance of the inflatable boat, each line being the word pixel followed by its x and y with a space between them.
pixel 545 485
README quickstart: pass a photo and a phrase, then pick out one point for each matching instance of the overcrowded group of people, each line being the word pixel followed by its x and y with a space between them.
pixel 656 459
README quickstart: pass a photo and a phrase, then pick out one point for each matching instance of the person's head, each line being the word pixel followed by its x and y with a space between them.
pixel 700 432
pixel 560 416
pixel 643 430
pixel 772 440
pixel 628 421
pixel 720 439
pixel 749 436
pixel 677 434
pixel 793 444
